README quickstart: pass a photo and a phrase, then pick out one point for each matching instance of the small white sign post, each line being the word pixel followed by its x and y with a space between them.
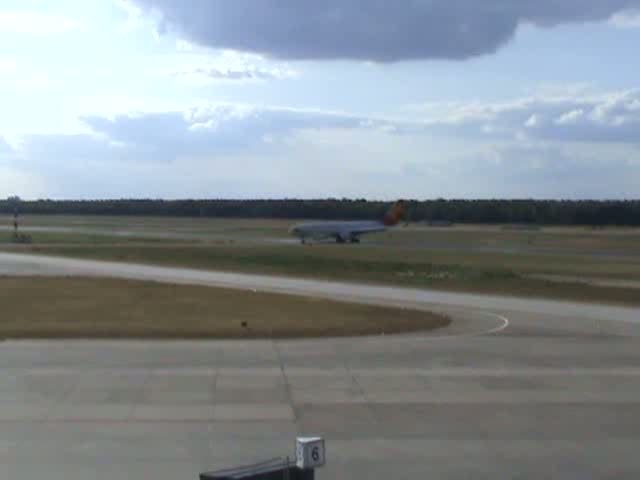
pixel 310 452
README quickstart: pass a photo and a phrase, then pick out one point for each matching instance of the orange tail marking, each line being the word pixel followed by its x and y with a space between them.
pixel 397 212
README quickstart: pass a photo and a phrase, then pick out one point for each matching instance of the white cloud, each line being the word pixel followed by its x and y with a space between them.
pixel 211 73
pixel 210 130
pixel 570 118
pixel 599 117
pixel 21 183
pixel 184 46
pixel 626 19
pixel 5 147
pixel 533 121
pixel 383 166
pixel 227 65
pixel 36 23
pixel 199 131
pixel 133 16
pixel 570 146
pixel 535 170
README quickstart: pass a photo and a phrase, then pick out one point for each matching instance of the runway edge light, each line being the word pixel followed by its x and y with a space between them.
pixel 310 452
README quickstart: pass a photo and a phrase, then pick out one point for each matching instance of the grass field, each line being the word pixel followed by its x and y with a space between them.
pixel 553 262
pixel 34 307
pixel 77 238
pixel 567 240
pixel 149 227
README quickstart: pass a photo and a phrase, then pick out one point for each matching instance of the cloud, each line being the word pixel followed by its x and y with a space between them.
pixel 232 150
pixel 581 116
pixel 223 149
pixel 207 130
pixel 375 30
pixel 229 150
pixel 67 148
pixel 533 121
pixel 35 23
pixel 573 143
pixel 15 180
pixel 215 130
pixel 626 19
pixel 228 65
pixel 4 146
pixel 24 184
pixel 7 152
pixel 570 118
pixel 209 73
pixel 184 46
pixel 132 17
pixel 211 132
pixel 534 170
pixel 131 12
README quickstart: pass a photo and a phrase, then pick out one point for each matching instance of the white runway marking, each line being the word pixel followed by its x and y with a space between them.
pixel 504 326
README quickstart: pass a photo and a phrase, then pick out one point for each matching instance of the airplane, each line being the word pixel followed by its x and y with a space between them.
pixel 349 231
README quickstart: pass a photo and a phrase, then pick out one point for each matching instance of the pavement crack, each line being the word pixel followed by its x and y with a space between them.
pixel 285 379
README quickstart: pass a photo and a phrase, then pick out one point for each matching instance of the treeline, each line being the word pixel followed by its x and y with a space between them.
pixel 550 212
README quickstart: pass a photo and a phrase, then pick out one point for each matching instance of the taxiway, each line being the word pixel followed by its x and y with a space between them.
pixel 513 388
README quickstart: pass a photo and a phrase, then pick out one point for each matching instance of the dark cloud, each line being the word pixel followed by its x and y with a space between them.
pixel 377 30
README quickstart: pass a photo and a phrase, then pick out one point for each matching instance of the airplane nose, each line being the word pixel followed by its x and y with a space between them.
pixel 294 231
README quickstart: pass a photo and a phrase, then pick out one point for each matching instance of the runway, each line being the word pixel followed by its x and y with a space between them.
pixel 142 233
pixel 514 388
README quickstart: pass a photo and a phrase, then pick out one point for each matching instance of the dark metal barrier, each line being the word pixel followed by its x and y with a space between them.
pixel 310 454
pixel 279 469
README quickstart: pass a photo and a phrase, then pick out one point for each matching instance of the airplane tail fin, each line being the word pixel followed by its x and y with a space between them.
pixel 395 213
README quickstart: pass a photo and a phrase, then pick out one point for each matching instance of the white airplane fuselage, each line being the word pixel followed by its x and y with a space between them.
pixel 346 231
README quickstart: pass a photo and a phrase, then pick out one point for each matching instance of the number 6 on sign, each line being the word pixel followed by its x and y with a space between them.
pixel 309 452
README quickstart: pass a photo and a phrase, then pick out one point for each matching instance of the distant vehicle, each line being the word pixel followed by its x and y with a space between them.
pixel 349 231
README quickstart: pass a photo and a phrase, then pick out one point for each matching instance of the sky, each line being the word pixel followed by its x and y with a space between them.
pixel 371 99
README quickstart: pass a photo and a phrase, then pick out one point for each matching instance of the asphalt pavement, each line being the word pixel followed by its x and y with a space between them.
pixel 514 388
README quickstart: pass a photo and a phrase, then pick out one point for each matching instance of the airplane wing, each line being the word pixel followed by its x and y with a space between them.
pixel 367 229
pixel 352 232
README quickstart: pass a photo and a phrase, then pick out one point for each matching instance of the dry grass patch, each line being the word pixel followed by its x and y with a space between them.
pixel 36 307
